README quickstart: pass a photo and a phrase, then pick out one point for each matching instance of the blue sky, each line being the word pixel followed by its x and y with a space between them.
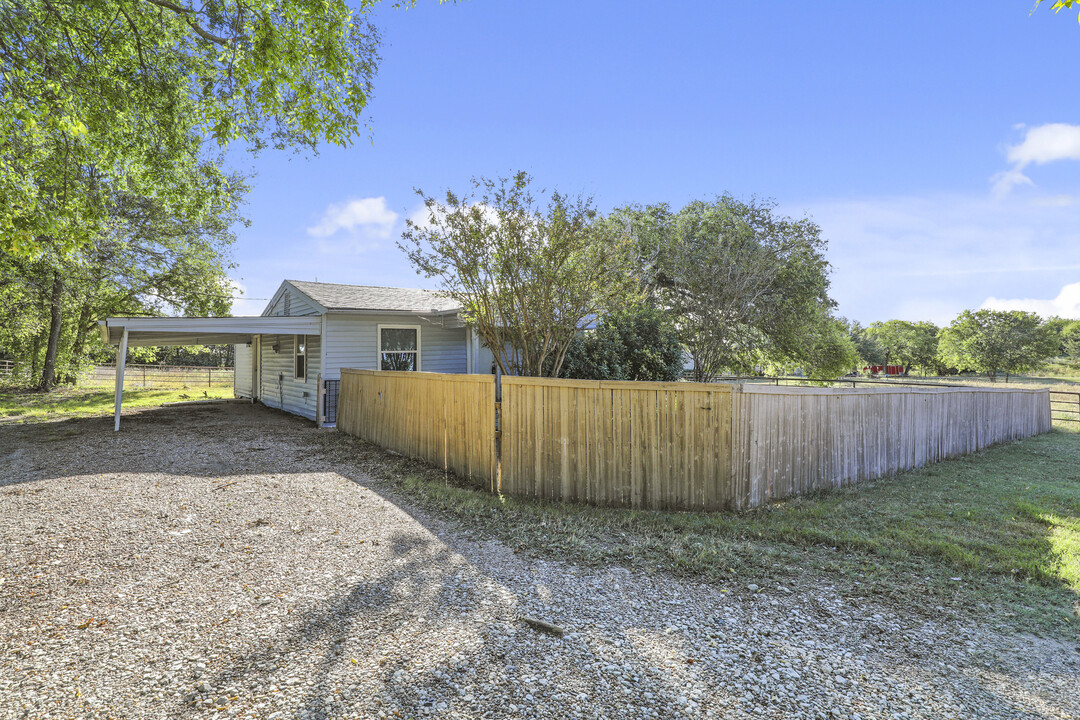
pixel 937 144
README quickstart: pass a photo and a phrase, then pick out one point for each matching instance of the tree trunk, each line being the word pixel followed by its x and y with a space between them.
pixel 48 370
pixel 81 330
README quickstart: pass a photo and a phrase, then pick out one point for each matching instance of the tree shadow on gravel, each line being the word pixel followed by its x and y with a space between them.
pixel 351 624
pixel 425 593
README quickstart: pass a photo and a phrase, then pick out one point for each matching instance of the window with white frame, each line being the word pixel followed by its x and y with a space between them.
pixel 300 357
pixel 399 347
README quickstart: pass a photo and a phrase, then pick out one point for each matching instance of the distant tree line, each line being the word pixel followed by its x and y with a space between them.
pixel 991 342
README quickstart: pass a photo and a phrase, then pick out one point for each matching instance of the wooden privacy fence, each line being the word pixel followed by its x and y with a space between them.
pixel 790 441
pixel 447 420
pixel 677 445
pixel 637 444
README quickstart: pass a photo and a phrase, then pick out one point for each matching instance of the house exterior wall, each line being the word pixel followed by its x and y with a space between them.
pixel 278 388
pixel 352 342
pixel 242 370
pixel 299 303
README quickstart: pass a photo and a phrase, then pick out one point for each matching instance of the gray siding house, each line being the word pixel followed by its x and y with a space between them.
pixel 291 356
pixel 365 327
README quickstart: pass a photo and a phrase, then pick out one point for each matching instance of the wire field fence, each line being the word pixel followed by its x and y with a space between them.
pixel 178 377
pixel 677 445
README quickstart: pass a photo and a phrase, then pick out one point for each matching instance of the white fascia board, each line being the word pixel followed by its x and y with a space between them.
pixel 189 330
pixel 403 313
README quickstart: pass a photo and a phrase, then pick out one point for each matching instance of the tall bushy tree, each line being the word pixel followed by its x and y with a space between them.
pixel 1070 340
pixel 830 351
pixel 148 258
pixel 109 99
pixel 997 341
pixel 635 343
pixel 911 344
pixel 530 275
pixel 869 350
pixel 741 281
pixel 106 93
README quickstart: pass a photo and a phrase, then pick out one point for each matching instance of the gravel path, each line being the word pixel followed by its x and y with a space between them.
pixel 213 562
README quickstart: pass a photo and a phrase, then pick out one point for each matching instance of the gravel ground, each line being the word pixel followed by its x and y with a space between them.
pixel 217 561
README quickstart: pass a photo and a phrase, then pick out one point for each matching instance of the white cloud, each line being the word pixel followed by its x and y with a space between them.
pixel 1041 144
pixel 369 216
pixel 1066 304
pixel 929 258
pixel 1047 143
pixel 1003 182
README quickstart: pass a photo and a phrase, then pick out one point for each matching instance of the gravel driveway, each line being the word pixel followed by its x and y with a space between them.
pixel 218 561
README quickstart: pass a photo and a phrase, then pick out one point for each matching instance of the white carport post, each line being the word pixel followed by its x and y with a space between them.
pixel 121 361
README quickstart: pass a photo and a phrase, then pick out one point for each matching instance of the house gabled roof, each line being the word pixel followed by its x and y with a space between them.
pixel 337 297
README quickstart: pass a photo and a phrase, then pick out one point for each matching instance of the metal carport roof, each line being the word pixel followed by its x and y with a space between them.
pixel 148 331
pixel 144 331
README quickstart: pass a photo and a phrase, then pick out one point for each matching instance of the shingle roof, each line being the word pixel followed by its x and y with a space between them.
pixel 333 296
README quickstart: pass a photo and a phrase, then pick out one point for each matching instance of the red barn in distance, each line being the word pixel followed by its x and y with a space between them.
pixel 887 369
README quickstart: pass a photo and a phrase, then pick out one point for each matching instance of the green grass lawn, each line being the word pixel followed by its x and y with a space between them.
pixel 18 405
pixel 994 536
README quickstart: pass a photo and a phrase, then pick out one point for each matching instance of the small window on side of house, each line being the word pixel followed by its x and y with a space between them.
pixel 288 305
pixel 300 357
pixel 399 347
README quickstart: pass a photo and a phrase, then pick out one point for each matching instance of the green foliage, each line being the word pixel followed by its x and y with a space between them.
pixel 830 351
pixel 149 258
pixel 994 341
pixel 1057 326
pixel 1070 340
pixel 911 344
pixel 530 277
pixel 742 283
pixel 101 97
pixel 867 346
pixel 638 343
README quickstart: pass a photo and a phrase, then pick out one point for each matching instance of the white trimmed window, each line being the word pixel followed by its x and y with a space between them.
pixel 399 347
pixel 300 357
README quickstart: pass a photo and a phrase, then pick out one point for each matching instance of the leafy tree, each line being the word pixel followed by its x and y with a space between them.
pixel 1057 326
pixel 638 343
pixel 911 344
pixel 100 94
pixel 1070 340
pixel 530 277
pixel 831 351
pixel 148 259
pixel 741 282
pixel 995 341
pixel 869 350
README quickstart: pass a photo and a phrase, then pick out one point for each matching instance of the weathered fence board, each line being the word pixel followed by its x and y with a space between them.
pixel 447 420
pixel 797 440
pixel 677 445
pixel 657 445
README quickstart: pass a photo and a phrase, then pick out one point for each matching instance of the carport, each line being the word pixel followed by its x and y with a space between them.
pixel 125 332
